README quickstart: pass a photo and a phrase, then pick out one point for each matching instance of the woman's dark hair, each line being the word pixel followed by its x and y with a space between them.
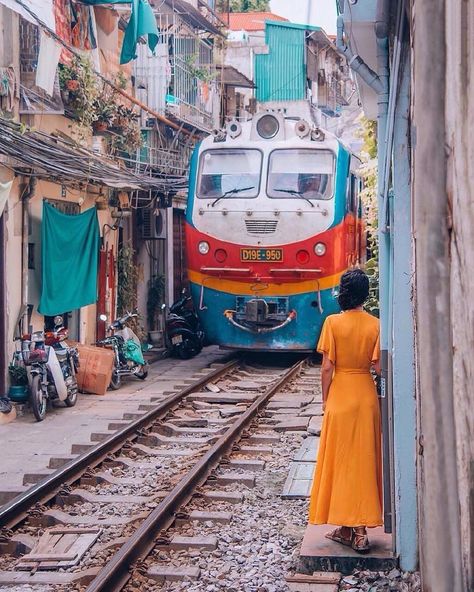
pixel 353 289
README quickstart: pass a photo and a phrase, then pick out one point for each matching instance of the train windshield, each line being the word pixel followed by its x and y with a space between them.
pixel 229 173
pixel 302 173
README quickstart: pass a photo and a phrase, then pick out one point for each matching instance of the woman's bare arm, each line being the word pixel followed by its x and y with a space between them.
pixel 327 372
pixel 376 367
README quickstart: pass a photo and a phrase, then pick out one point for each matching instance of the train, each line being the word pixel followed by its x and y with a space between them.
pixel 273 219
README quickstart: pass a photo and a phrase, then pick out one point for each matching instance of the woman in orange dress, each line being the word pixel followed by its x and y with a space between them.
pixel 347 485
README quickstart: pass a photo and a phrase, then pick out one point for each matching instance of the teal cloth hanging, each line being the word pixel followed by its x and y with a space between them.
pixel 70 258
pixel 142 22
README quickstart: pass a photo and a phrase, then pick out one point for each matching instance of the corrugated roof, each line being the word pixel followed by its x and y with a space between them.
pixel 280 74
pixel 249 21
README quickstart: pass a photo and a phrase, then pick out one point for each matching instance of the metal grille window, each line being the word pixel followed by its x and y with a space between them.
pixel 181 77
pixel 33 99
pixel 65 207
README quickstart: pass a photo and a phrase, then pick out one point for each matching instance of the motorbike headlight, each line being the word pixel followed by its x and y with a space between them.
pixel 320 249
pixel 203 248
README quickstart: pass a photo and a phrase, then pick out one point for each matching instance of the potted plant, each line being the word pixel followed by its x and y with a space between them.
pixel 124 115
pixel 68 77
pixel 105 111
pixel 156 288
pixel 18 391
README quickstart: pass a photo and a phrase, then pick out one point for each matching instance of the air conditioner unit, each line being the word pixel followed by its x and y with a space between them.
pixel 153 224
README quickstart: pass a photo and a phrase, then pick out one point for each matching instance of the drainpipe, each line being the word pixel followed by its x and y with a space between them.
pixel 379 82
pixel 25 200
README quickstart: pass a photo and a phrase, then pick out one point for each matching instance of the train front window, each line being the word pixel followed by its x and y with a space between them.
pixel 298 172
pixel 229 173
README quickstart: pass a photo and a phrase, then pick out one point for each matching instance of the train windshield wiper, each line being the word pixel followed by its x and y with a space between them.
pixel 297 193
pixel 232 192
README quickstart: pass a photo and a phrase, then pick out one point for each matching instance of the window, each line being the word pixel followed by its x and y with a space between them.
pixel 229 172
pixel 301 172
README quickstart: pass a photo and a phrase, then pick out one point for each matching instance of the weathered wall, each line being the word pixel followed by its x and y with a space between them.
pixel 460 184
pixel 443 109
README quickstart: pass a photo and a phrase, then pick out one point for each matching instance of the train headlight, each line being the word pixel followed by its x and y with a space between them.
pixel 320 249
pixel 203 248
pixel 268 127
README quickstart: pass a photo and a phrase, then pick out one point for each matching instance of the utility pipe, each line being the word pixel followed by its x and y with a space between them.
pixel 29 191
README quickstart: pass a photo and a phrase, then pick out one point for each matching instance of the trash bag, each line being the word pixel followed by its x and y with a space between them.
pixel 133 352
pixel 5 405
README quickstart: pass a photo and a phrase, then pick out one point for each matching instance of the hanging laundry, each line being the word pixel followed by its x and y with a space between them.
pixel 82 26
pixel 43 9
pixel 142 22
pixel 70 255
pixel 48 59
pixel 62 15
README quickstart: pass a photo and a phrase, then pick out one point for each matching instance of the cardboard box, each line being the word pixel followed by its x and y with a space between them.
pixel 95 370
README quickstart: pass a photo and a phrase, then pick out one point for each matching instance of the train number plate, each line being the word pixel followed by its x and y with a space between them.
pixel 261 255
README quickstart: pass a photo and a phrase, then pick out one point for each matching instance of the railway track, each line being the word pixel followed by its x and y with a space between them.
pixel 98 522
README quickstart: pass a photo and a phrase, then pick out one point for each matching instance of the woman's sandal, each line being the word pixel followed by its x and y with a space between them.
pixel 360 541
pixel 336 535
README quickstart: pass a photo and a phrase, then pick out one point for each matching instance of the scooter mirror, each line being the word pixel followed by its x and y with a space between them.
pixel 103 317
pixel 58 320
pixel 163 306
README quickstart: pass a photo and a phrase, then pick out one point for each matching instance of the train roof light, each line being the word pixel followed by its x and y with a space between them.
pixel 317 134
pixel 302 128
pixel 268 126
pixel 233 128
pixel 219 135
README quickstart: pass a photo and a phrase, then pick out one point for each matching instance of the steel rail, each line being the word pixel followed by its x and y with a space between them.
pixel 116 573
pixel 17 509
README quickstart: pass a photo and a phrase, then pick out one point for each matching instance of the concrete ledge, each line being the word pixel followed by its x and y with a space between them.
pixel 320 554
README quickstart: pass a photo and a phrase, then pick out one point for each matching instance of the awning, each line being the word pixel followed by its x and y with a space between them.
pixel 193 17
pixel 59 159
pixel 232 77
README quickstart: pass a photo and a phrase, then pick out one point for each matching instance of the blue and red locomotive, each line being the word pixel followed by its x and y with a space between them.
pixel 273 220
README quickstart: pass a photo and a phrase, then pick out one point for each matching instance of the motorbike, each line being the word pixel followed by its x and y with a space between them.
pixel 127 349
pixel 183 334
pixel 51 365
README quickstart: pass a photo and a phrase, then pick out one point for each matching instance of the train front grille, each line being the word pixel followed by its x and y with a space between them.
pixel 261 226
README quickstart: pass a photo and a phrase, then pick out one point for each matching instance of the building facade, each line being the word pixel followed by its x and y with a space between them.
pixel 414 70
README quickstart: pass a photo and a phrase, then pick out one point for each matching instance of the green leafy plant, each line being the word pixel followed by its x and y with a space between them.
pixel 121 80
pixel 18 375
pixel 156 288
pixel 82 99
pixel 105 110
pixel 369 199
pixel 199 71
pixel 127 279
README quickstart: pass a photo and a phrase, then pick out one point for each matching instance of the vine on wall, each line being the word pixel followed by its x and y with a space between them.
pixel 369 199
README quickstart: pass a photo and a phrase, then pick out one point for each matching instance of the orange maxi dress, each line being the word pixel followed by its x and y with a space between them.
pixel 347 484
